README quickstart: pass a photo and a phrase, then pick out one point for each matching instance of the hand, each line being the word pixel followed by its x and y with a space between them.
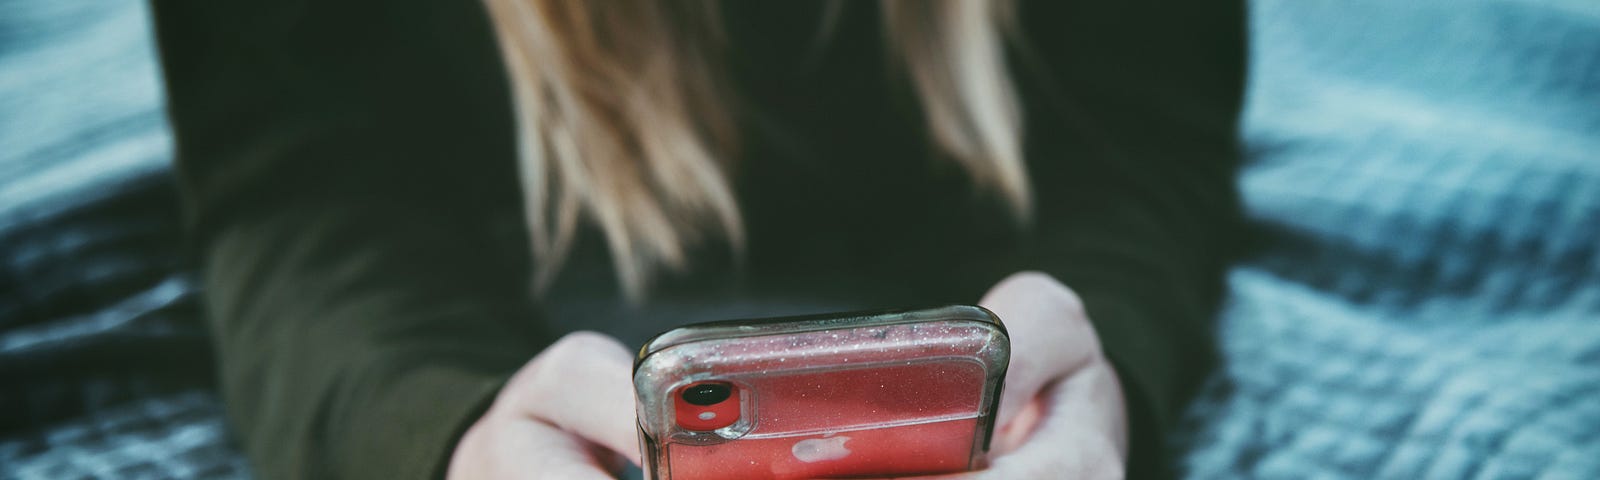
pixel 1062 413
pixel 567 414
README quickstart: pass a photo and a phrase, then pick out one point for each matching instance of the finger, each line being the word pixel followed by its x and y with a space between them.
pixel 582 384
pixel 523 448
pixel 1079 437
pixel 1009 436
pixel 1050 336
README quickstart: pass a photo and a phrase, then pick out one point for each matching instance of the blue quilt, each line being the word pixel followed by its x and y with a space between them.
pixel 1425 179
pixel 104 365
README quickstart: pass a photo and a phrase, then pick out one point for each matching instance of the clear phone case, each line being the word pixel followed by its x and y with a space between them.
pixel 833 396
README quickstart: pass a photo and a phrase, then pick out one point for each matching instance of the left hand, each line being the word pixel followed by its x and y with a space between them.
pixel 1062 413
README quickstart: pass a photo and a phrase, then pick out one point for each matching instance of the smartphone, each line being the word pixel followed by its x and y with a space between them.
pixel 825 396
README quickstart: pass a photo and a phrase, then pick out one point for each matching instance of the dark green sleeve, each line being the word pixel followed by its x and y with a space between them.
pixel 1138 211
pixel 347 168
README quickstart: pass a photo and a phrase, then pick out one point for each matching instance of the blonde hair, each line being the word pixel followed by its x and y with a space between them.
pixel 623 117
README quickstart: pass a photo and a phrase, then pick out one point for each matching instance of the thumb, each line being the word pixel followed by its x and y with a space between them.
pixel 1049 336
pixel 583 385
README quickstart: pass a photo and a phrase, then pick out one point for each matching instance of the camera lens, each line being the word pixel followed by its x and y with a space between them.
pixel 707 393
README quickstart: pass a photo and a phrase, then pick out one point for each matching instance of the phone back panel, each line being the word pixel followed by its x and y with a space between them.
pixel 899 393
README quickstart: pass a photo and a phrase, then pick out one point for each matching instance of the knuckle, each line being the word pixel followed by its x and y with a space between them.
pixel 585 340
pixel 584 346
pixel 1053 289
pixel 563 360
pixel 1029 278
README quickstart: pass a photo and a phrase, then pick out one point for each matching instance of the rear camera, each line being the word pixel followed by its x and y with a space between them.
pixel 706 394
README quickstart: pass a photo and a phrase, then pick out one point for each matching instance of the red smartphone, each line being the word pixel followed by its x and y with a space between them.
pixel 828 396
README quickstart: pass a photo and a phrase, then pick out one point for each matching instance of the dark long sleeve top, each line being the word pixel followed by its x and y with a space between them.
pixel 349 172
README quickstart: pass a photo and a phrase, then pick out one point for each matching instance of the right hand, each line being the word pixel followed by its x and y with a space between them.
pixel 567 414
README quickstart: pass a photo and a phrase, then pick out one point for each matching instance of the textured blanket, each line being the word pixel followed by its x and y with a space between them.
pixel 104 370
pixel 1425 301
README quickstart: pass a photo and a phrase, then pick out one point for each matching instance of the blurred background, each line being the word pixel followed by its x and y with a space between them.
pixel 1423 298
pixel 104 367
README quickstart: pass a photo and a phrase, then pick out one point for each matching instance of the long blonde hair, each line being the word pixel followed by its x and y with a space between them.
pixel 622 117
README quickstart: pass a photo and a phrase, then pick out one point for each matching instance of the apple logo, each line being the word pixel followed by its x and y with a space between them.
pixel 820 449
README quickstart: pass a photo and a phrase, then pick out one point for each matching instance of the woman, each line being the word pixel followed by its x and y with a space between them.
pixel 370 183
